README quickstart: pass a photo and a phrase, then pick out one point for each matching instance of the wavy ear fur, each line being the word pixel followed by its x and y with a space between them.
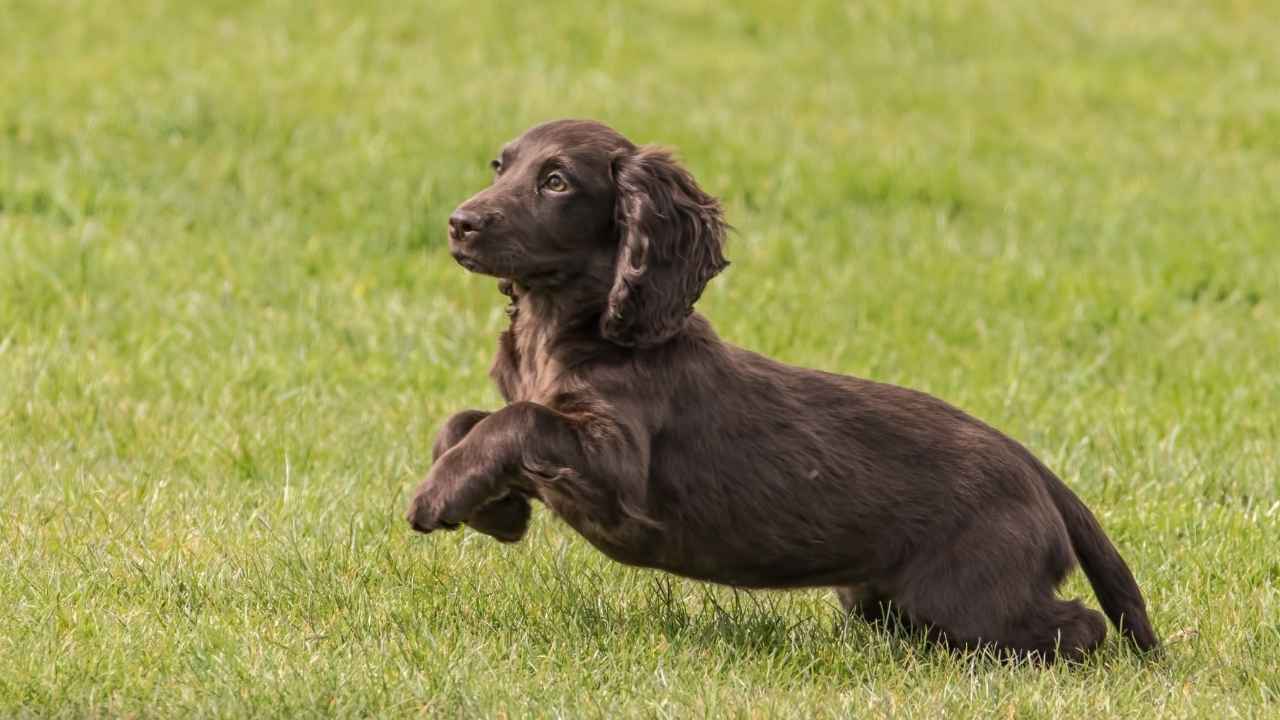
pixel 671 242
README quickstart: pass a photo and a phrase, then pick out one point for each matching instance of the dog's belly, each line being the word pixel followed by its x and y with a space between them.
pixel 776 578
pixel 699 559
pixel 780 576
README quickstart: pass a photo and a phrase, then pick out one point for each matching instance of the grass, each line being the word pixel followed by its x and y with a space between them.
pixel 228 330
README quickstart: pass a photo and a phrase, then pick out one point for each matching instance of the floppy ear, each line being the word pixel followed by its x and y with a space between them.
pixel 670 246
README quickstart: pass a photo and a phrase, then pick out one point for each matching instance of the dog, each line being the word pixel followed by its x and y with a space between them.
pixel 668 448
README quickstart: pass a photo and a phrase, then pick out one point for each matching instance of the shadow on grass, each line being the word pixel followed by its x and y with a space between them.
pixel 800 629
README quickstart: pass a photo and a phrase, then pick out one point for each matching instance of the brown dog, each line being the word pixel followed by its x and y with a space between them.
pixel 666 447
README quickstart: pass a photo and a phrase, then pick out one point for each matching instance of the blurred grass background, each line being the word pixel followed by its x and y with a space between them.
pixel 229 328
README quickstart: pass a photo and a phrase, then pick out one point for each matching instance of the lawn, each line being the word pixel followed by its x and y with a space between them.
pixel 229 328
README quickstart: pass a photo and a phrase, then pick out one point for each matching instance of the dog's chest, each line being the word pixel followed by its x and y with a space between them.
pixel 525 370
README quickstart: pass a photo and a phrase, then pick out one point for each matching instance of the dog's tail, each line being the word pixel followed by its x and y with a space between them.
pixel 1110 577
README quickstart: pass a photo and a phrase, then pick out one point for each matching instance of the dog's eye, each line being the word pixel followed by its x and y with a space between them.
pixel 555 183
pixel 496 165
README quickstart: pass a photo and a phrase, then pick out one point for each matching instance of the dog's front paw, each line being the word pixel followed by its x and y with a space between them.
pixel 424 515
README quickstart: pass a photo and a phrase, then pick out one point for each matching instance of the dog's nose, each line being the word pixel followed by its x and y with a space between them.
pixel 464 223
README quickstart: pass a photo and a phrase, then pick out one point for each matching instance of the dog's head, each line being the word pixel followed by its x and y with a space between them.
pixel 575 203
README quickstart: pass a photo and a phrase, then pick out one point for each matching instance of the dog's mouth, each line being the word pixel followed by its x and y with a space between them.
pixel 545 277
pixel 468 262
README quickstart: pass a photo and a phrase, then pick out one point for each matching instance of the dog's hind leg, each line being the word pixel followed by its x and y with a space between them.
pixel 993 586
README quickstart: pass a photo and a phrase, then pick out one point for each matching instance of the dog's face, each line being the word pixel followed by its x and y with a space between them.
pixel 550 210
pixel 574 201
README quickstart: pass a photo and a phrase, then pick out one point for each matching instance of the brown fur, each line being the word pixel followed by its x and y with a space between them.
pixel 668 448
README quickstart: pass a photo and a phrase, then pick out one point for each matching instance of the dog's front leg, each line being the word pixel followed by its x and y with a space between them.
pixel 592 473
pixel 471 480
pixel 505 518
pixel 454 430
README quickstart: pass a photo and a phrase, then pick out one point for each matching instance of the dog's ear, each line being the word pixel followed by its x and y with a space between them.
pixel 671 238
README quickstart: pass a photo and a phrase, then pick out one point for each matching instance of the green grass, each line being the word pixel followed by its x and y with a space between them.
pixel 228 330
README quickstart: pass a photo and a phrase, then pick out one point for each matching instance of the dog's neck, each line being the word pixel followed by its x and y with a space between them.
pixel 551 329
pixel 570 309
